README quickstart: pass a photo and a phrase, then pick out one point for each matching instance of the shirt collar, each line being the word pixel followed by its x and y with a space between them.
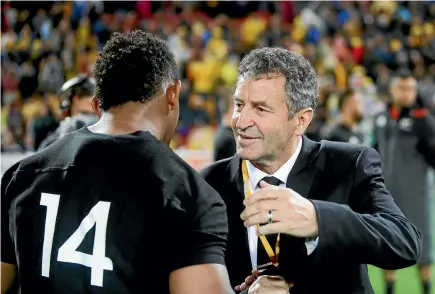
pixel 256 175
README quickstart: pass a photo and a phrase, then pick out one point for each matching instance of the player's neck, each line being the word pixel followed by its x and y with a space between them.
pixel 118 124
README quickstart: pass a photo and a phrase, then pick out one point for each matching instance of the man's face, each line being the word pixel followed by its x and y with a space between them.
pixel 261 123
pixel 404 91
pixel 356 107
pixel 81 105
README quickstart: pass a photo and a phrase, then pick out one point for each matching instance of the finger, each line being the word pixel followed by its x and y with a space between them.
pixel 263 218
pixel 264 184
pixel 257 219
pixel 249 280
pixel 259 207
pixel 264 194
pixel 256 273
pixel 273 228
pixel 275 281
pixel 244 286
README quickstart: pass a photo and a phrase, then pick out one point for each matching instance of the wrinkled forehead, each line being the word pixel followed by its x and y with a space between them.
pixel 272 85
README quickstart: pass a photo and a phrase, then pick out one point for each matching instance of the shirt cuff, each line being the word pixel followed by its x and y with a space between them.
pixel 311 244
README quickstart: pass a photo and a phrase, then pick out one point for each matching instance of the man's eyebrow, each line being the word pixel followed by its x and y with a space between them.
pixel 237 99
pixel 256 103
pixel 260 103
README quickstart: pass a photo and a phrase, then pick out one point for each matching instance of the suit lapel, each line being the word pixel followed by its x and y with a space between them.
pixel 304 173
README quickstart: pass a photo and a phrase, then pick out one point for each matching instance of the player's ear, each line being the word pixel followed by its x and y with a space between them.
pixel 96 106
pixel 173 94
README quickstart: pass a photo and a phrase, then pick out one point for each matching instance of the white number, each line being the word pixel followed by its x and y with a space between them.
pixel 52 203
pixel 98 262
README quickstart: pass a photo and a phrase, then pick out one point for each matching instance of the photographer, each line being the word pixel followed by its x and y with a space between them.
pixel 76 95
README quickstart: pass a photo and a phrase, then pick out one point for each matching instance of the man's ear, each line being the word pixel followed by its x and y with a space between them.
pixel 96 106
pixel 173 94
pixel 303 119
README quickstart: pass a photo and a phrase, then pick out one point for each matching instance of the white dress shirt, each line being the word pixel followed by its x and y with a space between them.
pixel 255 176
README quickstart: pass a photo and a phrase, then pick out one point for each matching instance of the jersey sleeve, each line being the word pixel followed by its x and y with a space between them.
pixel 8 251
pixel 198 225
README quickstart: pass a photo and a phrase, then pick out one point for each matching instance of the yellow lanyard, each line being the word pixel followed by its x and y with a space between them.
pixel 272 255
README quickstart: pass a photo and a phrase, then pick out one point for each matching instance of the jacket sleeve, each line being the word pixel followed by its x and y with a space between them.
pixel 374 232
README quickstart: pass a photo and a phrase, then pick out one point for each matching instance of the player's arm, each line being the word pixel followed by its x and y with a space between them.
pixel 8 259
pixel 198 222
pixel 203 278
pixel 8 273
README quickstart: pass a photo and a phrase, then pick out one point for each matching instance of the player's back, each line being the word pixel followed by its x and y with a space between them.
pixel 95 213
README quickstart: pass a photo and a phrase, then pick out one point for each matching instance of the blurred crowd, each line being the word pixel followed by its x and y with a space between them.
pixel 356 45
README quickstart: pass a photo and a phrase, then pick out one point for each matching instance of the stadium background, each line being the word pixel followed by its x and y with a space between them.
pixel 354 45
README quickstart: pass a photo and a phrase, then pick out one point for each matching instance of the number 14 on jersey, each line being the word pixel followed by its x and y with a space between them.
pixel 98 262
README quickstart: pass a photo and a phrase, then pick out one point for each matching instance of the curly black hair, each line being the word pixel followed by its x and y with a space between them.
pixel 133 67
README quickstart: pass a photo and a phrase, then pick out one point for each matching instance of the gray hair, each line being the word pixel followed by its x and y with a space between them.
pixel 301 85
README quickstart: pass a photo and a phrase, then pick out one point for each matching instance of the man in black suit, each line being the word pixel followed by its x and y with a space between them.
pixel 322 206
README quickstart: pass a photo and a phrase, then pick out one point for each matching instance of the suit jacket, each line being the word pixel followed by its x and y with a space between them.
pixel 358 221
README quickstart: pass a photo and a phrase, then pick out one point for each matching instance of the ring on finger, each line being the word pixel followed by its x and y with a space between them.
pixel 269 217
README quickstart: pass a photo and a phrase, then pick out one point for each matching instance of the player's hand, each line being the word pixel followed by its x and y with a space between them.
pixel 248 281
pixel 292 214
pixel 269 284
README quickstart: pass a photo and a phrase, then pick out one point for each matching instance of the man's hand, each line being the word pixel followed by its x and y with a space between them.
pixel 248 281
pixel 8 275
pixel 292 214
pixel 269 284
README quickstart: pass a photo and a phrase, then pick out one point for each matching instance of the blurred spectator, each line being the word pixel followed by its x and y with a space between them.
pixel 51 75
pixel 405 138
pixel 75 109
pixel 9 144
pixel 224 143
pixel 356 45
pixel 351 114
pixel 43 125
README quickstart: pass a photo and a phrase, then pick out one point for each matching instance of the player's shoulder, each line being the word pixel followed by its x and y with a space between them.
pixel 49 158
pixel 217 169
pixel 186 186
pixel 178 168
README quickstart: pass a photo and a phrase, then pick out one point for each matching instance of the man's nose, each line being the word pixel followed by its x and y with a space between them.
pixel 244 120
